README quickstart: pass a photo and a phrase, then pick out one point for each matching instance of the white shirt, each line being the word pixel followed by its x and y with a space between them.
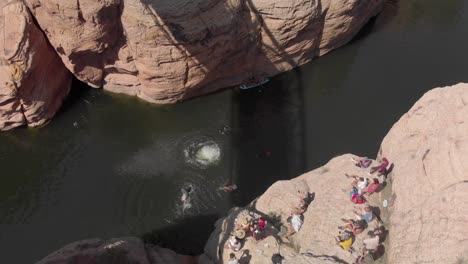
pixel 372 243
pixel 362 184
pixel 233 261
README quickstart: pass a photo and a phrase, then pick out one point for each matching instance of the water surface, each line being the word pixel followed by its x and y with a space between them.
pixel 110 165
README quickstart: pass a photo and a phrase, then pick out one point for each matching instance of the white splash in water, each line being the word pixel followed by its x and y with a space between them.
pixel 203 154
pixel 208 154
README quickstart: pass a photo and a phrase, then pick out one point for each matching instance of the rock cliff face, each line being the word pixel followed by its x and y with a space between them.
pixel 429 146
pixel 33 78
pixel 116 250
pixel 166 51
pixel 161 51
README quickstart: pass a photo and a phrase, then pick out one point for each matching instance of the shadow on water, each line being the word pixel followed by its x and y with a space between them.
pixel 187 236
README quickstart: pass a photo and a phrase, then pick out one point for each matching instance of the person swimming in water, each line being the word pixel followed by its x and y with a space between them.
pixel 229 187
pixel 186 197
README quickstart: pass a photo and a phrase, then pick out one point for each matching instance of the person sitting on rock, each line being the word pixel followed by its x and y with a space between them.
pixel 295 221
pixel 306 199
pixel 362 162
pixel 358 199
pixel 234 243
pixel 244 224
pixel 372 187
pixel 371 242
pixel 356 227
pixel 232 259
pixel 382 168
pixel 258 233
pixel 359 182
pixel 261 222
pixel 345 240
pixel 366 214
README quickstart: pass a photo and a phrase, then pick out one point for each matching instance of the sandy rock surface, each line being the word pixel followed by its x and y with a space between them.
pixel 315 242
pixel 33 78
pixel 429 146
pixel 124 250
pixel 166 51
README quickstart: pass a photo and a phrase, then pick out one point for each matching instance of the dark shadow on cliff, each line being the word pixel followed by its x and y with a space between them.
pixel 187 236
pixel 77 94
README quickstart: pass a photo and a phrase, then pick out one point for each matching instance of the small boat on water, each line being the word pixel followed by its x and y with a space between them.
pixel 254 84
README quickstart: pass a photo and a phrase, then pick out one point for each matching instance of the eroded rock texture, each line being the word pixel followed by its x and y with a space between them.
pixel 33 80
pixel 165 51
pixel 429 146
pixel 315 242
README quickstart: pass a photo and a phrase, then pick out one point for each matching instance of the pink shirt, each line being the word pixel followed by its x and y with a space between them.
pixel 372 187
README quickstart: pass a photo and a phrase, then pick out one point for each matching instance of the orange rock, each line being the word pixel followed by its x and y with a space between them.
pixel 33 79
pixel 429 147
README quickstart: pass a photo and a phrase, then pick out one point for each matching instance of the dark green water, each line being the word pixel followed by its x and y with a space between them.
pixel 110 165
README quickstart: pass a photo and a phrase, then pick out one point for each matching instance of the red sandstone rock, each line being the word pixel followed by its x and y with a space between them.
pixel 33 79
pixel 429 146
pixel 166 51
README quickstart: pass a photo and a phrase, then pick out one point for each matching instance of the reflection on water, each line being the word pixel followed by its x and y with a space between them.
pixel 111 165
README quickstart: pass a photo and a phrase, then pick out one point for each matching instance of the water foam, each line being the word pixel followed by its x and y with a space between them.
pixel 202 153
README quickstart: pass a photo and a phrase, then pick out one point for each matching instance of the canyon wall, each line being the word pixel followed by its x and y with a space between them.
pixel 429 146
pixel 33 79
pixel 167 51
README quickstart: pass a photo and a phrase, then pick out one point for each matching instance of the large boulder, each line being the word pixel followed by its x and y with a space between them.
pixel 165 51
pixel 429 146
pixel 33 78
pixel 126 250
pixel 315 242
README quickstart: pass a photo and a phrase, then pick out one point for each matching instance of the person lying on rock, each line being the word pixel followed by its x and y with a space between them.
pixel 365 214
pixel 345 239
pixel 295 221
pixel 372 187
pixel 362 162
pixel 382 168
pixel 356 227
pixel 359 182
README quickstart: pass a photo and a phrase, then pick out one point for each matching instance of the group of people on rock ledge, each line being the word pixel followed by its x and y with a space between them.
pixel 365 217
pixel 256 228
pixel 361 189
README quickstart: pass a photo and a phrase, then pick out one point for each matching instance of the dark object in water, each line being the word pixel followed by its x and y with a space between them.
pixel 254 84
